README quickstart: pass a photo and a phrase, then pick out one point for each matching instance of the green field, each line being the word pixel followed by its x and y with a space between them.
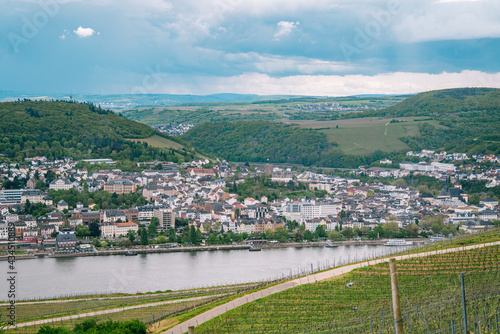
pixel 160 142
pixel 359 136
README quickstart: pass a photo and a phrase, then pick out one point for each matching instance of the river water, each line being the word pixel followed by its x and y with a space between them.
pixel 52 277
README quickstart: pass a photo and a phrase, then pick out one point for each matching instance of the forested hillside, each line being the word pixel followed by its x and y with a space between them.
pixel 265 141
pixel 456 120
pixel 58 129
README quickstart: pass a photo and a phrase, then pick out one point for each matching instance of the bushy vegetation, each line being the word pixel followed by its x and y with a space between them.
pixel 102 199
pixel 91 326
pixel 58 129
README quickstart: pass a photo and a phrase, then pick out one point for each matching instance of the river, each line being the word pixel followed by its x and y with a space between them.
pixel 53 277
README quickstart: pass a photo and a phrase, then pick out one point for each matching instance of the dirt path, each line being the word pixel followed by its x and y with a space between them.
pixel 217 311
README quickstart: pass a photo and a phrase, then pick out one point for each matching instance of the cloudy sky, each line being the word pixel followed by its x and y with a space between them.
pixel 309 47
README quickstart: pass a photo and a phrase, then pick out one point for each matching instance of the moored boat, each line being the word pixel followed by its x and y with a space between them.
pixel 130 253
pixel 398 242
pixel 330 244
pixel 253 248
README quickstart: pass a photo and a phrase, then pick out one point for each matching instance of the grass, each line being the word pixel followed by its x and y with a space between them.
pixel 160 142
pixel 360 136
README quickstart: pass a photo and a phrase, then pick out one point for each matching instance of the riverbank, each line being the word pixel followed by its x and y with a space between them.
pixel 203 248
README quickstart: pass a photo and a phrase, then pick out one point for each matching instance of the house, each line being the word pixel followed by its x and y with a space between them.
pixel 488 215
pixel 489 202
pixel 108 230
pixel 4 230
pixel 61 184
pixel 112 216
pixel 66 240
pixel 29 220
pixel 123 228
pixel 120 186
pixel 31 183
pixel 62 205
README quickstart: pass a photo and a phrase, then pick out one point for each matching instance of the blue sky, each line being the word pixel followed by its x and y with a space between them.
pixel 306 47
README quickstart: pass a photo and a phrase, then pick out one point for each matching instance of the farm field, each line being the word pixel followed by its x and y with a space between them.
pixel 360 302
pixel 359 136
pixel 160 142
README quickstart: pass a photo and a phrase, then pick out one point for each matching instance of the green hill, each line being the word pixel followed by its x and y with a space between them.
pixel 469 119
pixel 265 141
pixel 58 129
pixel 456 120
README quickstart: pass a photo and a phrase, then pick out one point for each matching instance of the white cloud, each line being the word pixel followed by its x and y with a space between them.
pixel 285 28
pixel 448 20
pixel 331 85
pixel 64 35
pixel 84 32
pixel 274 64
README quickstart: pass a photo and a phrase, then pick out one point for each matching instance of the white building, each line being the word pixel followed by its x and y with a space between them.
pixel 61 184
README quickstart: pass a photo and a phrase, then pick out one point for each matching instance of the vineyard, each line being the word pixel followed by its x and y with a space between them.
pixel 149 308
pixel 360 302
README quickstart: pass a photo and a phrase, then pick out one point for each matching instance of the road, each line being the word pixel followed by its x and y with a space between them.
pixel 219 310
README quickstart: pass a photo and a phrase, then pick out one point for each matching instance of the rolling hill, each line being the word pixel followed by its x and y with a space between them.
pixel 468 118
pixel 58 129
pixel 456 120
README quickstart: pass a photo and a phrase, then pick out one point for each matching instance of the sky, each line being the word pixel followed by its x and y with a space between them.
pixel 266 47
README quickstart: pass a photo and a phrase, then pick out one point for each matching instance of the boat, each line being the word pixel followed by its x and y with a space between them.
pixel 434 239
pixel 398 242
pixel 253 248
pixel 330 244
pixel 130 253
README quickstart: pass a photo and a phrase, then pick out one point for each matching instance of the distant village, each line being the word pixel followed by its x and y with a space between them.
pixel 201 197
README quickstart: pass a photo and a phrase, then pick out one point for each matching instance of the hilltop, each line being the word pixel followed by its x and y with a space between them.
pixel 58 129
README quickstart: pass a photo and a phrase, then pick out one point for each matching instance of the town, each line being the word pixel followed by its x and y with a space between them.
pixel 63 207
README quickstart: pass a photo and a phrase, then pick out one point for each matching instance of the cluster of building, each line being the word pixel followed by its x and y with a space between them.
pixel 174 129
pixel 333 106
pixel 443 155
pixel 200 196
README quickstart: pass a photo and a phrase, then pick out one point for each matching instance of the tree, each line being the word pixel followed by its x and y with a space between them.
pixel 308 235
pixel 320 232
pixel 161 239
pixel 413 230
pixel 192 235
pixel 131 236
pixel 82 231
pixel 153 227
pixel 391 229
pixel 96 242
pixel 334 235
pixel 95 230
pixel 347 232
pixel 144 236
